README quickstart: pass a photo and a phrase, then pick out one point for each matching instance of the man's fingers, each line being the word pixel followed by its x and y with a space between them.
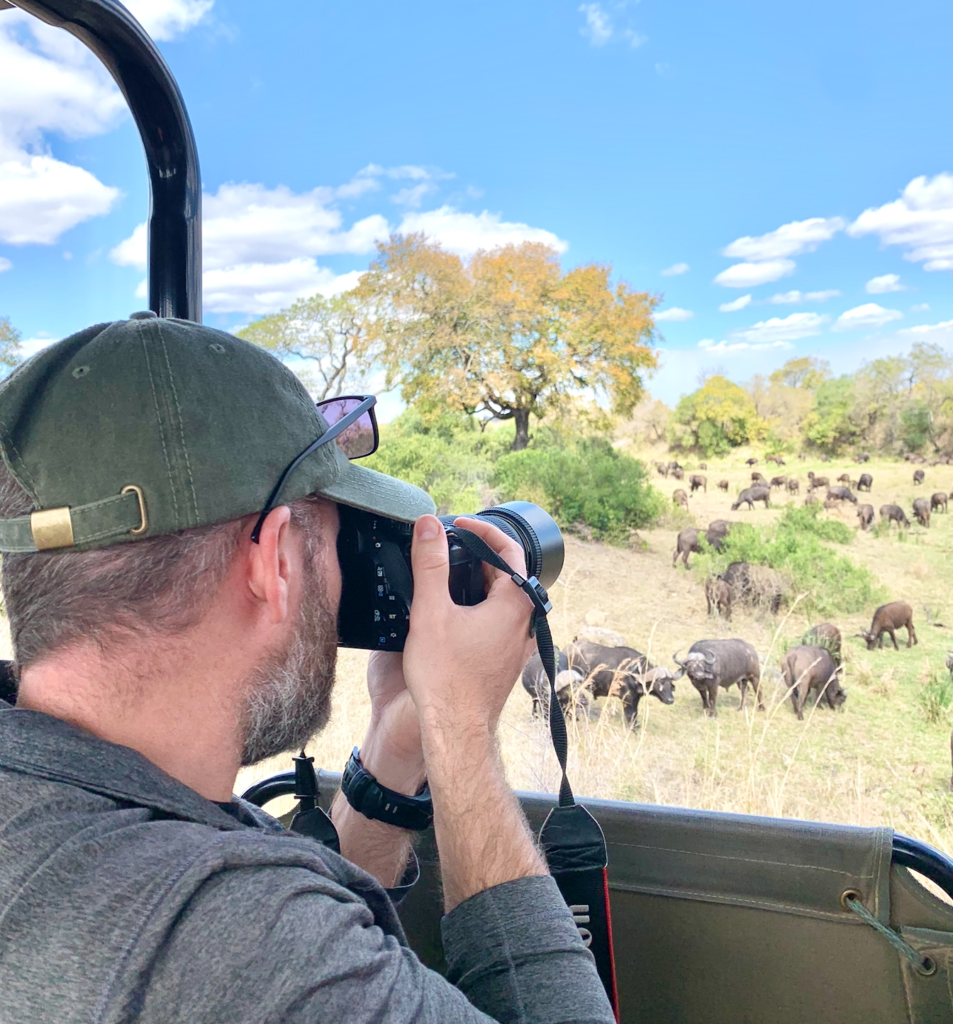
pixel 430 561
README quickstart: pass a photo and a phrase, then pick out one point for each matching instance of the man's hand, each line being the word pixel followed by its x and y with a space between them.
pixel 460 664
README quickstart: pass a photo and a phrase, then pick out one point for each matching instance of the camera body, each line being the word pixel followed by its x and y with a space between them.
pixel 377 582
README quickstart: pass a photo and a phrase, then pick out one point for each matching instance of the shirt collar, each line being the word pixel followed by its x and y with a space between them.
pixel 48 748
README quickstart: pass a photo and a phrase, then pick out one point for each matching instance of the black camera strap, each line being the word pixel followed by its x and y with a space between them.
pixel 571 838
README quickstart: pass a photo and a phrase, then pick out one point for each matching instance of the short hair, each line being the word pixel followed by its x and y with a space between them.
pixel 159 586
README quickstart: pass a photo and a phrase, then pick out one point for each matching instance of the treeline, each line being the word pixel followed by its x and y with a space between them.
pixel 890 406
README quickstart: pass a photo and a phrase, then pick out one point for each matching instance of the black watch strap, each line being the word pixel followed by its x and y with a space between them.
pixel 366 795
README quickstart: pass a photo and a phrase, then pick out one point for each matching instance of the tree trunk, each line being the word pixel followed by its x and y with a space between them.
pixel 521 417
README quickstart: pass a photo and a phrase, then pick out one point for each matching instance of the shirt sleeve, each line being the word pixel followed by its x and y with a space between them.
pixel 282 945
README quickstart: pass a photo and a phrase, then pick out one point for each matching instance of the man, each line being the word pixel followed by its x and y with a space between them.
pixel 173 617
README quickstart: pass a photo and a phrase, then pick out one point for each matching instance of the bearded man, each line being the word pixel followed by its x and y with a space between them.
pixel 168 517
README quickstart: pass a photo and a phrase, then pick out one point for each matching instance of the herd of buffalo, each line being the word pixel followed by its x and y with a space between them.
pixel 811 669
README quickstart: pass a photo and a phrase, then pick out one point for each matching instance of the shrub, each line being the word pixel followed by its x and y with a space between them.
pixel 585 482
pixel 936 698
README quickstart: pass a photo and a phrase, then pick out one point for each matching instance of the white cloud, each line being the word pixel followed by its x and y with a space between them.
pixel 465 233
pixel 920 221
pixel 883 284
pixel 676 269
pixel 866 317
pixel 131 251
pixel 635 39
pixel 920 307
pixel 598 27
pixel 41 198
pixel 735 304
pixel 166 19
pixel 796 297
pixel 259 288
pixel 781 330
pixel 733 347
pixel 30 346
pixel 674 314
pixel 936 333
pixel 413 195
pixel 750 275
pixel 5 264
pixel 792 239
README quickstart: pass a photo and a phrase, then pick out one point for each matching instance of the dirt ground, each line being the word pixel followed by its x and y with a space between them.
pixel 882 759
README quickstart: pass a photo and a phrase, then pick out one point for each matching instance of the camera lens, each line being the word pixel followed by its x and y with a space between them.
pixel 536 532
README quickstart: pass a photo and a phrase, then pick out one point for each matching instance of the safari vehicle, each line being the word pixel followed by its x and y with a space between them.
pixel 716 917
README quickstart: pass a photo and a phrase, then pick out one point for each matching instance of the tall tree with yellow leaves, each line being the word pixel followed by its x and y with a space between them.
pixel 506 333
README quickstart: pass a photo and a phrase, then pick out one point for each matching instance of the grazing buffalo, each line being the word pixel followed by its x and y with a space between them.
pixel 863 457
pixel 938 502
pixel 699 482
pixel 887 618
pixel 757 478
pixel 621 672
pixel 825 634
pixel 779 481
pixel 703 465
pixel 812 499
pixel 686 544
pixel 918 475
pixel 752 494
pixel 673 465
pixel 817 482
pixel 751 461
pixel 678 473
pixel 662 468
pixel 776 459
pixel 569 688
pixel 844 478
pixel 679 497
pixel 754 585
pixel 794 486
pixel 723 485
pixel 894 514
pixel 865 513
pixel 812 668
pixel 718 596
pixel 921 511
pixel 841 494
pixel 711 664
pixel 865 482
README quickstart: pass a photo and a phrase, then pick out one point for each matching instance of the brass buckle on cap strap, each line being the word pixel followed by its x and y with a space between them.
pixel 52 528
pixel 144 523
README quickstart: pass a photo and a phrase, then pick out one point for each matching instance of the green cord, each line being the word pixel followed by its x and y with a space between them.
pixel 921 964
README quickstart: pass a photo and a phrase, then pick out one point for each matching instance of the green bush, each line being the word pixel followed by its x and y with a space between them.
pixel 936 698
pixel 795 547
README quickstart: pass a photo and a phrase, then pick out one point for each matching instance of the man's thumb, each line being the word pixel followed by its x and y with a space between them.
pixel 430 559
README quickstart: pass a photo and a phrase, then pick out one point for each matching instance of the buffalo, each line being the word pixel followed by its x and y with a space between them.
pixel 752 461
pixel 893 514
pixel 939 501
pixel 621 672
pixel 679 497
pixel 865 482
pixel 827 635
pixel 865 513
pixel 711 664
pixel 703 465
pixel 863 457
pixel 844 478
pixel 918 475
pixel 723 485
pixel 752 494
pixel 678 473
pixel 717 532
pixel 757 478
pixel 794 486
pixel 841 494
pixel 776 459
pixel 779 481
pixel 662 468
pixel 686 544
pixel 812 668
pixel 699 482
pixel 569 688
pixel 753 585
pixel 811 499
pixel 718 595
pixel 817 482
pixel 921 511
pixel 887 618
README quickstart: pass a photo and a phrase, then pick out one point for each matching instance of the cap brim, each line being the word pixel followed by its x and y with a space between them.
pixel 359 487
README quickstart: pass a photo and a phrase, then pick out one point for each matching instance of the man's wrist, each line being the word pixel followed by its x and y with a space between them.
pixel 399 767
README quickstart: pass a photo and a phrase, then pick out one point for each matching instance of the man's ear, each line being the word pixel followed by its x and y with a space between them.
pixel 271 564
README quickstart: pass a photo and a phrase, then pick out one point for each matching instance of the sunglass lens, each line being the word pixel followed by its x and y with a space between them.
pixel 360 438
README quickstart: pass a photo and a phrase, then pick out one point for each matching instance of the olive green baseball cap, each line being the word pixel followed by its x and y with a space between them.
pixel 148 426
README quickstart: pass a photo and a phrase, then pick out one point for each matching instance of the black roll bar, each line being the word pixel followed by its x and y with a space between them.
pixel 175 206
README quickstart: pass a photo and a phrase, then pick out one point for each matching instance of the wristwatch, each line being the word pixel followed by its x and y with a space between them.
pixel 366 795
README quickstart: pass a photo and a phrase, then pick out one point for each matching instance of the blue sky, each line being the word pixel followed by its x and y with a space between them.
pixel 790 161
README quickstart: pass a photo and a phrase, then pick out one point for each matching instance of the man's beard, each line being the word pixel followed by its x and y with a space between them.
pixel 288 698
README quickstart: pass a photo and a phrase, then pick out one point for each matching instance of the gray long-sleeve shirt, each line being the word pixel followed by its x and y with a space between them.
pixel 126 896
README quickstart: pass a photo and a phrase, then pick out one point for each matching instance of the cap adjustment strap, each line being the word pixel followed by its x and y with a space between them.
pixel 57 528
